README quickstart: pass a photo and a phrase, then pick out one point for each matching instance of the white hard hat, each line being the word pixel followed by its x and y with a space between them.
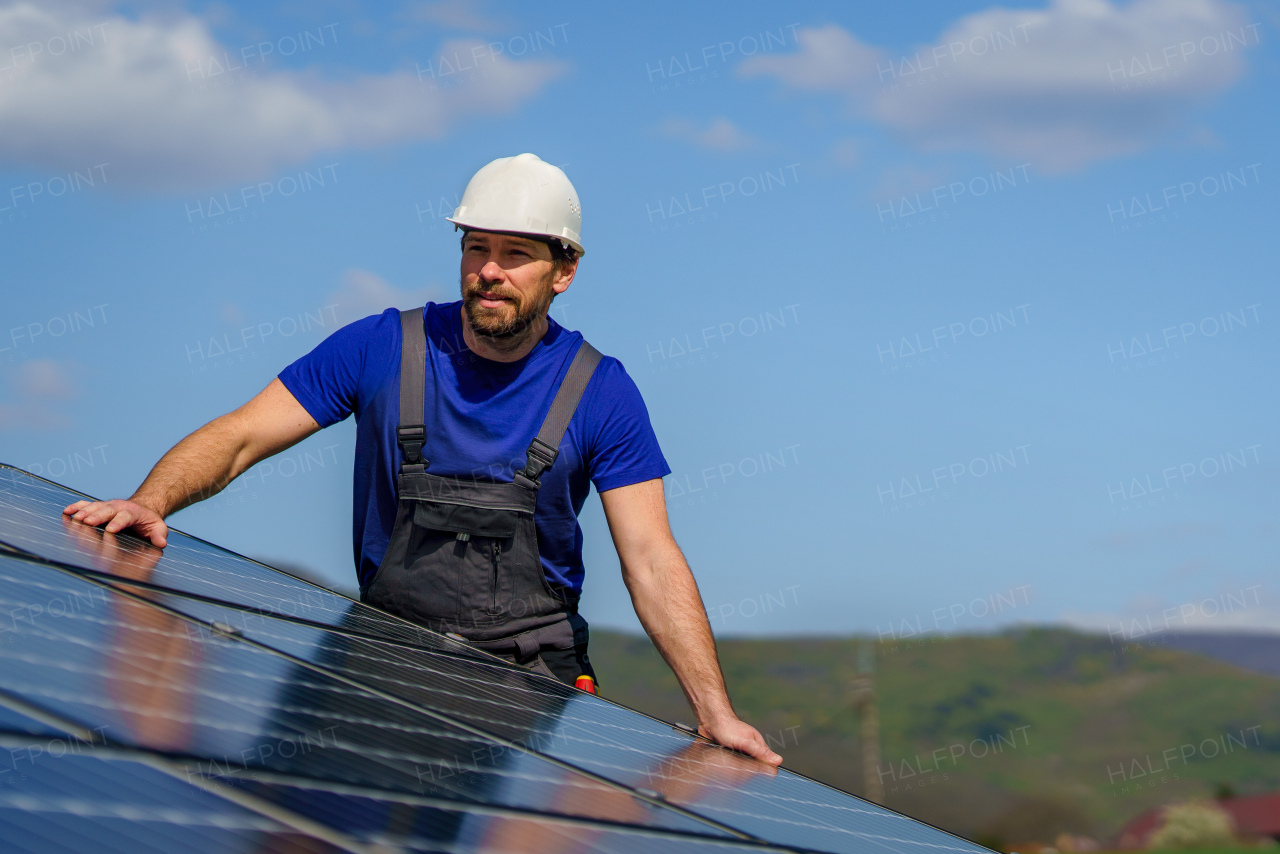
pixel 522 194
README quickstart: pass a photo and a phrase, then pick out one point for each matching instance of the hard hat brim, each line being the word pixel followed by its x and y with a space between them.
pixel 539 235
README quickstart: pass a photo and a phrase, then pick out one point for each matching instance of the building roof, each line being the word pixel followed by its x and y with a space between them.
pixel 1253 815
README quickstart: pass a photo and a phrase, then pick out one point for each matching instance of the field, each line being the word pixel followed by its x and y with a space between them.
pixel 1007 738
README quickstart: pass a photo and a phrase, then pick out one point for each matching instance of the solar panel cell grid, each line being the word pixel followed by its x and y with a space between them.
pixel 14 721
pixel 601 737
pixel 31 521
pixel 150 678
pixel 388 821
pixel 79 802
pixel 245 676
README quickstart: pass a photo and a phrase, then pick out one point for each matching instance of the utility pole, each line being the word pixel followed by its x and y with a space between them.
pixel 864 700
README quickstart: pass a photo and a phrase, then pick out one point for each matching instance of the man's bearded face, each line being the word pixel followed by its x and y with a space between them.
pixel 511 302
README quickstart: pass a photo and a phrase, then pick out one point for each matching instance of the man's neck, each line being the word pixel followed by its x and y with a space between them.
pixel 511 349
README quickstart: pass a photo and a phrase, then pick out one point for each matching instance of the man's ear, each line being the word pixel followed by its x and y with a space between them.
pixel 564 273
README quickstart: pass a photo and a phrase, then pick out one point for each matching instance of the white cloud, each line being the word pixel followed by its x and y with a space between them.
pixel 830 59
pixel 364 293
pixel 1242 607
pixel 719 134
pixel 45 378
pixel 1133 626
pixel 152 99
pixel 1061 87
pixel 37 383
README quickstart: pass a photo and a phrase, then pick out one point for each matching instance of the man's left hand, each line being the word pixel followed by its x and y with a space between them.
pixel 740 736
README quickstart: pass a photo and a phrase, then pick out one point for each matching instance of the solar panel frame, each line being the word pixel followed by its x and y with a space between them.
pixel 329 818
pixel 769 817
pixel 772 814
pixel 372 709
pixel 140 789
pixel 137 555
pixel 611 838
pixel 17 715
pixel 778 811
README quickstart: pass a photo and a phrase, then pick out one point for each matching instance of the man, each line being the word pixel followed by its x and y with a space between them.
pixel 480 427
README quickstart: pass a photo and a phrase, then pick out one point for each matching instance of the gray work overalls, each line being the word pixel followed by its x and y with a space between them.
pixel 463 555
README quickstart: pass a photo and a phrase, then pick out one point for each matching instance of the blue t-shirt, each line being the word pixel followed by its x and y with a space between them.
pixel 480 417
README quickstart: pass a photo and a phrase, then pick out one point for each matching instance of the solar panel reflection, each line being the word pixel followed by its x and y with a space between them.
pixel 593 734
pixel 392 821
pixel 148 678
pixel 31 521
pixel 252 682
pixel 78 803
pixel 14 721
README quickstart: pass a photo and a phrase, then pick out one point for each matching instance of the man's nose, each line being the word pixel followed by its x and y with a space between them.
pixel 491 272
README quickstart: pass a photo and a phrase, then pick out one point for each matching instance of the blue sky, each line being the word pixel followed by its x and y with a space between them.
pixel 947 318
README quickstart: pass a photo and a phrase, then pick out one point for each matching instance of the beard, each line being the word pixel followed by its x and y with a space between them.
pixel 516 316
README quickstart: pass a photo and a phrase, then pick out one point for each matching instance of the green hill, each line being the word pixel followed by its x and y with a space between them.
pixel 1013 737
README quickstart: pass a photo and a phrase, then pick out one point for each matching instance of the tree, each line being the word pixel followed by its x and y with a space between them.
pixel 1195 824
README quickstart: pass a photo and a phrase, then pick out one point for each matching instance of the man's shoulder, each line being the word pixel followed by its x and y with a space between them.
pixel 612 392
pixel 571 340
pixel 351 343
pixel 610 371
pixel 373 324
pixel 333 378
pixel 621 446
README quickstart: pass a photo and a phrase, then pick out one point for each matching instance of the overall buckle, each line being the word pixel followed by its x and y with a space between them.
pixel 541 457
pixel 411 438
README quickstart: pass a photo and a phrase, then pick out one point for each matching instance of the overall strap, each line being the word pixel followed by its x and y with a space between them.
pixel 544 449
pixel 411 433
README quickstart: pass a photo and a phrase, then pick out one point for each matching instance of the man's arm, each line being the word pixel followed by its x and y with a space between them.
pixel 202 464
pixel 667 602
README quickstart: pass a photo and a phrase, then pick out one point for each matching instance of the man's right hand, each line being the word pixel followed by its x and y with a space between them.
pixel 119 515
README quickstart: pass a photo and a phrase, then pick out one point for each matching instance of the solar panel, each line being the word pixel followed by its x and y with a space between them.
pixel 152 679
pixel 379 731
pixel 13 720
pixel 381 819
pixel 106 799
pixel 31 522
pixel 592 734
pixel 82 802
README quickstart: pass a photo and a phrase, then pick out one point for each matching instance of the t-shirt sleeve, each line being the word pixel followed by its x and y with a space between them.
pixel 623 447
pixel 326 381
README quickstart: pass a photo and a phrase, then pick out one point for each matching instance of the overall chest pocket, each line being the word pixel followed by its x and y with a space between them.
pixel 466 519
pixel 491 553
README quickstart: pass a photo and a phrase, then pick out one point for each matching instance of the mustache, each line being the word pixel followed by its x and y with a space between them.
pixel 473 291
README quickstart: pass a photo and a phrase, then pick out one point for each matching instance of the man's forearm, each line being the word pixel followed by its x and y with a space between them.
pixel 202 464
pixel 667 602
pixel 196 468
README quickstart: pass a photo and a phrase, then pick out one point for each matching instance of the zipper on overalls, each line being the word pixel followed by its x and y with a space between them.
pixel 497 563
